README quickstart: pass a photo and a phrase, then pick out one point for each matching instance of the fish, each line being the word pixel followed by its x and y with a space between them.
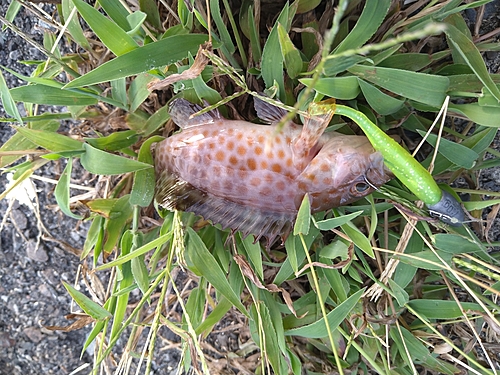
pixel 253 177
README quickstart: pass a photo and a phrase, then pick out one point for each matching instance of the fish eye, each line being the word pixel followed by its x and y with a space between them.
pixel 361 187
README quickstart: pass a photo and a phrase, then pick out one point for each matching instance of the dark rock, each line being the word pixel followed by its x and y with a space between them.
pixel 34 334
pixel 19 219
pixel 36 251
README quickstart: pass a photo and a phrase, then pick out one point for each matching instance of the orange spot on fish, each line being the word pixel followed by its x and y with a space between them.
pixel 252 164
pixel 211 145
pixel 219 155
pixel 260 138
pixel 263 164
pixel 302 186
pixel 233 160
pixel 289 162
pixel 276 168
pixel 241 150
pixel 324 167
pixel 280 185
pixel 239 136
pixel 281 154
pixel 327 181
pixel 230 145
pixel 255 181
pixel 258 150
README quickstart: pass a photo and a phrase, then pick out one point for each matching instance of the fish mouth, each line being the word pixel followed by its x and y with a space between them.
pixel 377 173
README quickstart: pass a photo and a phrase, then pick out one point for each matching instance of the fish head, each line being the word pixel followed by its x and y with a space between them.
pixel 346 169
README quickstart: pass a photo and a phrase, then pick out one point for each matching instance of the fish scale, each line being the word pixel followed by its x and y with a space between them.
pixel 251 177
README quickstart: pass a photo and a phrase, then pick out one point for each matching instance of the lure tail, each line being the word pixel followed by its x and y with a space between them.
pixel 410 172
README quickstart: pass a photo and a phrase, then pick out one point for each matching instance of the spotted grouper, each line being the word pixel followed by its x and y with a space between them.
pixel 252 177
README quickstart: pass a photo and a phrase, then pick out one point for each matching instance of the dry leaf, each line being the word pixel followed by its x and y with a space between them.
pixel 200 62
pixel 248 272
pixel 82 320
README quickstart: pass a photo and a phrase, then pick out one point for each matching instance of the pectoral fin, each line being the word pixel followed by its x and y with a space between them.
pixel 174 193
pixel 320 115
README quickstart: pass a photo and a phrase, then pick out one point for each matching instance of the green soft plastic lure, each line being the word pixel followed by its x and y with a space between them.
pixel 411 173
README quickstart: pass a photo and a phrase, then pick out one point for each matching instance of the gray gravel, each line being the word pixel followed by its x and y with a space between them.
pixel 31 270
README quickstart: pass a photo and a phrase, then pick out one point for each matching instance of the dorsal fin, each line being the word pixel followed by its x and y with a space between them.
pixel 268 112
pixel 174 193
pixel 181 111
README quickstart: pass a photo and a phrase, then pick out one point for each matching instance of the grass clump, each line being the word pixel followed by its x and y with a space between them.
pixel 399 295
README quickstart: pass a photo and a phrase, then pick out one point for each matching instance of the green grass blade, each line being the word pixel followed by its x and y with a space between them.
pixel 210 269
pixel 12 12
pixel 113 36
pixel 303 222
pixel 345 88
pixel 138 90
pixel 335 222
pixel 455 244
pixel 338 64
pixel 61 191
pixel 18 142
pixel 382 103
pixel 90 307
pixel 254 36
pixel 73 24
pixel 119 215
pixel 142 250
pixel 41 94
pixel 418 351
pixel 221 26
pixel 457 153
pixel 291 55
pixel 254 254
pixel 143 188
pixel 472 57
pixel 357 237
pixel 150 7
pixel 371 18
pixel 156 120
pixel 438 309
pixel 8 102
pixel 487 116
pixel 334 318
pixel 117 12
pixel 50 140
pixel 423 88
pixel 100 162
pixel 143 59
pixel 272 59
pixel 114 141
